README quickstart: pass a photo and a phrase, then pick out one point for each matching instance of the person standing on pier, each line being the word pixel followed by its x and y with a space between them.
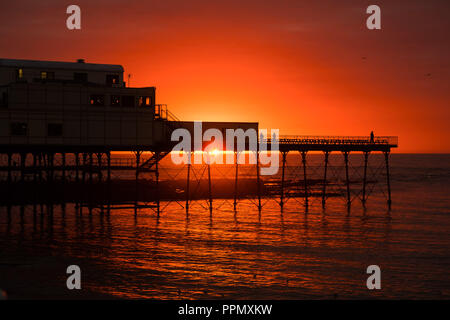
pixel 372 137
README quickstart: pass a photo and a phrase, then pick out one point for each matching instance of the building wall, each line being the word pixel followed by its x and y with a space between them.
pixel 83 124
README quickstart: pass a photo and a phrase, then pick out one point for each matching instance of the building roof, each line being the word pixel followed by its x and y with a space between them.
pixel 79 65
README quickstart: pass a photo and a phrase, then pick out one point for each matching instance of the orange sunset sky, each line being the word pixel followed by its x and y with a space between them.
pixel 305 67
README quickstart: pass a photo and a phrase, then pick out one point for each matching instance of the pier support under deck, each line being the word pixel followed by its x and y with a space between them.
pixel 108 176
pixel 9 179
pixel 23 159
pixel 283 167
pixel 188 183
pixel 63 167
pixel 324 186
pixel 77 167
pixel 305 180
pixel 386 157
pixel 366 160
pixel 99 166
pixel 84 168
pixel 236 157
pixel 347 179
pixel 136 184
pixel 258 181
pixel 209 189
pixel 91 168
pixel 157 158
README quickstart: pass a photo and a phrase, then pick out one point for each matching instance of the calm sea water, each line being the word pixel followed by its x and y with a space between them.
pixel 292 254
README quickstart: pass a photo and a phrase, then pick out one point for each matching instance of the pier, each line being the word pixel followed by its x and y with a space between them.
pixel 87 168
pixel 61 124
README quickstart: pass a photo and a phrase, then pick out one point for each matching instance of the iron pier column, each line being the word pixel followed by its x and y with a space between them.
pixel 258 179
pixel 347 178
pixel 157 183
pixel 324 189
pixel 84 167
pixel 386 157
pixel 63 168
pixel 305 179
pixel 188 182
pixel 236 157
pixel 77 165
pixel 283 162
pixel 23 159
pixel 9 170
pixel 99 166
pixel 136 182
pixel 366 160
pixel 209 188
pixel 108 177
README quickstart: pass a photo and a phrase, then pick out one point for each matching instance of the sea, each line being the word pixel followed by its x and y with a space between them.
pixel 295 253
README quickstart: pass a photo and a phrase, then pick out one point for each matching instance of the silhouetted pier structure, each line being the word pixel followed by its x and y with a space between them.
pixel 81 113
pixel 88 168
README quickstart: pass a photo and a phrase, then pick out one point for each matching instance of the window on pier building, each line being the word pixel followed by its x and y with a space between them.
pixel 54 129
pixel 115 101
pixel 80 77
pixel 145 101
pixel 19 74
pixel 97 100
pixel 19 129
pixel 128 101
pixel 47 75
pixel 112 79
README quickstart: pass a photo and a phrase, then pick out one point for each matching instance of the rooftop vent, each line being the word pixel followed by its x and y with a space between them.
pixel 80 60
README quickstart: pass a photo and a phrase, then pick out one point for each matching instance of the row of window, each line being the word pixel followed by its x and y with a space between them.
pixel 99 100
pixel 120 101
pixel 110 79
pixel 21 129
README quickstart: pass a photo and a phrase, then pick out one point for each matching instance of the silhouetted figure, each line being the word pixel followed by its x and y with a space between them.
pixel 372 137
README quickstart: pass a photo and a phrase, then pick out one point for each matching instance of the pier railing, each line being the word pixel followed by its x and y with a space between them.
pixel 162 112
pixel 336 140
